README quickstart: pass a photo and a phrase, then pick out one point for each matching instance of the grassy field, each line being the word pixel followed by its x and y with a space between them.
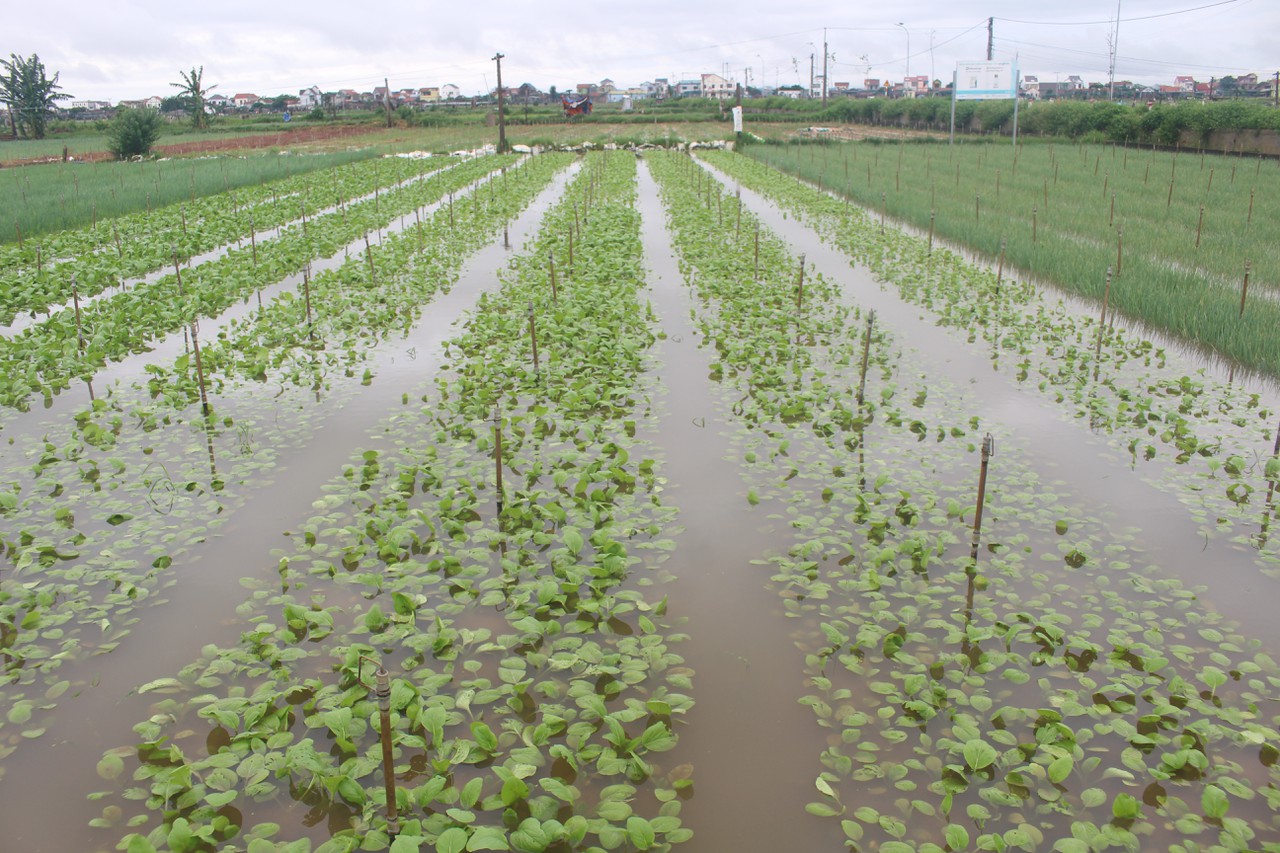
pixel 1177 231
pixel 48 197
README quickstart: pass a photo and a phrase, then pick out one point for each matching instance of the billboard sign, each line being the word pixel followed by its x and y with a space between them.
pixel 985 81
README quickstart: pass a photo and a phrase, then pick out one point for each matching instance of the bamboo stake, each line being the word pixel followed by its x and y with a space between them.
pixel 1112 218
pixel 1249 221
pixel 383 691
pixel 866 356
pixel 368 254
pixel 253 239
pixel 533 338
pixel 1244 291
pixel 884 204
pixel 800 286
pixel 977 207
pixel 932 215
pixel 1102 325
pixel 1199 226
pixel 1119 249
pixel 497 454
pixel 1035 231
pixel 555 294
pixel 75 298
pixel 195 342
pixel 306 292
pixel 1169 201
pixel 756 275
pixel 1209 188
pixel 1000 266
pixel 988 450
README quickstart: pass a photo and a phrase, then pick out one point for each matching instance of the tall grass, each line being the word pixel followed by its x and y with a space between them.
pixel 986 193
pixel 46 198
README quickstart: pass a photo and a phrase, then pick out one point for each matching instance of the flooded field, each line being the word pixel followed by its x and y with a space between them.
pixel 627 503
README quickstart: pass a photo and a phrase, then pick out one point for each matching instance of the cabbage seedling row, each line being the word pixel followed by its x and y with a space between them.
pixel 45 358
pixel 37 274
pixel 536 684
pixel 1054 691
pixel 1210 443
pixel 126 491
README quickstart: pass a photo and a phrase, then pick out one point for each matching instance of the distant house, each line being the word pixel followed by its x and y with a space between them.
pixel 913 86
pixel 427 94
pixel 715 86
pixel 217 103
pixel 310 98
pixel 90 105
pixel 244 100
pixel 871 84
pixel 449 92
pixel 689 89
pixel 1185 84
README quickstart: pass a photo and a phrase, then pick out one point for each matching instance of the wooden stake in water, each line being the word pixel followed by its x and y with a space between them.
pixel 195 342
pixel 533 338
pixel 506 236
pixel 866 357
pixel 382 680
pixel 1244 291
pixel 1199 226
pixel 800 286
pixel 1000 265
pixel 497 454
pixel 551 262
pixel 75 298
pixel 988 450
pixel 884 205
pixel 932 215
pixel 253 239
pixel 1102 325
pixel 306 292
pixel 756 275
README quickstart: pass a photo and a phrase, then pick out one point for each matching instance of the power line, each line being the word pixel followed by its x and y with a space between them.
pixel 1122 20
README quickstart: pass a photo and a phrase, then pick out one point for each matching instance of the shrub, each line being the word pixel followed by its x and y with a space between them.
pixel 133 132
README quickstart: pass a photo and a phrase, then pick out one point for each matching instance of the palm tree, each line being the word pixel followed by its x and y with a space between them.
pixel 192 88
pixel 30 95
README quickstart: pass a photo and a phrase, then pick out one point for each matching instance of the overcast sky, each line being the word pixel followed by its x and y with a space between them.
pixel 135 48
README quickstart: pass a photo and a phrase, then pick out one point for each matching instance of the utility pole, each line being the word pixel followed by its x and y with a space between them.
pixel 811 75
pixel 825 84
pixel 386 99
pixel 1275 91
pixel 991 38
pixel 502 119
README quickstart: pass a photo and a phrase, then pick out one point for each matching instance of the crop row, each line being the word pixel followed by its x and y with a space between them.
pixel 534 684
pixel 46 357
pixel 1211 441
pixel 93 533
pixel 1054 689
pixel 38 274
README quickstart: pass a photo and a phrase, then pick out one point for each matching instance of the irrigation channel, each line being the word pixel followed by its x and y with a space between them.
pixel 664 535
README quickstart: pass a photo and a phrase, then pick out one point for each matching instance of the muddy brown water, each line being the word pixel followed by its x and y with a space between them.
pixel 200 605
pixel 1060 448
pixel 752 745
pixel 117 376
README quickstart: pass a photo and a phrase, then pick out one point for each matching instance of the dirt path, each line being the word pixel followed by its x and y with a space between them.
pixel 281 138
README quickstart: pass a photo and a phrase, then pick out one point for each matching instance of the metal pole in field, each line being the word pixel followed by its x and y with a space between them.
pixel 382 690
pixel 952 138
